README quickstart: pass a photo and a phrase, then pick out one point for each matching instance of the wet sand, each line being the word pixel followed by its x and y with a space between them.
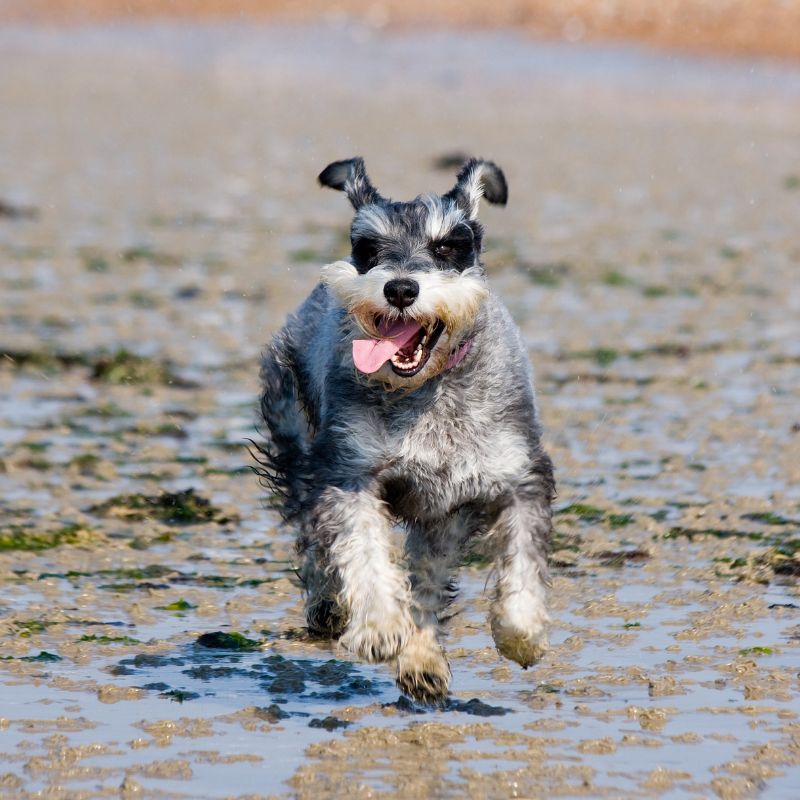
pixel 159 218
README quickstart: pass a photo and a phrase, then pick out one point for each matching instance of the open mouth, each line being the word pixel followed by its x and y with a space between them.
pixel 404 343
pixel 412 357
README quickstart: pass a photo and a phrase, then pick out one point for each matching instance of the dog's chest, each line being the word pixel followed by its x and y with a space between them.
pixel 449 456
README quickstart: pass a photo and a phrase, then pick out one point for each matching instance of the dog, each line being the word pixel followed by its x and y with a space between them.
pixel 400 395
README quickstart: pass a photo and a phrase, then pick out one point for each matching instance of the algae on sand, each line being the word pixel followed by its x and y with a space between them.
pixel 173 508
pixel 20 537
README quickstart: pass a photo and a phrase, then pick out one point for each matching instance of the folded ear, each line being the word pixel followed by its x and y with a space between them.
pixel 351 177
pixel 479 178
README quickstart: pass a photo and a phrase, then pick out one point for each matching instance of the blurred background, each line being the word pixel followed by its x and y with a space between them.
pixel 758 27
pixel 160 217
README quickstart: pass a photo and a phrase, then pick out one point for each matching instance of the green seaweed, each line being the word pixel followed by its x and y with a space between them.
pixel 768 518
pixel 108 639
pixel 89 465
pixel 124 367
pixel 219 640
pixel 614 277
pixel 117 367
pixel 233 471
pixel 38 463
pixel 96 263
pixel 134 573
pixel 329 723
pixel 109 410
pixel 18 537
pixel 173 508
pixel 179 695
pixel 669 350
pixel 618 558
pixel 619 520
pixel 146 252
pixel 178 605
pixel 561 540
pixel 272 713
pixel 29 627
pixel 43 656
pixel 145 300
pixel 756 651
pixel 305 255
pixel 730 252
pixel 653 292
pixel 547 274
pixel 678 532
pixel 43 360
pixel 36 447
pixel 583 511
pixel 127 588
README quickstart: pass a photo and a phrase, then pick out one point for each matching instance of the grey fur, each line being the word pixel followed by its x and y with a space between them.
pixel 453 456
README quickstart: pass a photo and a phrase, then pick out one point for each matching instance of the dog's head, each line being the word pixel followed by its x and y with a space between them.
pixel 414 283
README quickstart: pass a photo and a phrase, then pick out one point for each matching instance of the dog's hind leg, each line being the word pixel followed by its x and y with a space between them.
pixel 521 540
pixel 282 457
pixel 324 614
pixel 283 465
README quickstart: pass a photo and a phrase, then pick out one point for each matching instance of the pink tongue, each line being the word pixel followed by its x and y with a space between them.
pixel 369 355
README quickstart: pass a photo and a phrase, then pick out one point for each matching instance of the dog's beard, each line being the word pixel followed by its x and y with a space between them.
pixel 445 309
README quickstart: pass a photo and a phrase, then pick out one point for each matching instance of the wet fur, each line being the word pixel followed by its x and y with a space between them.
pixel 450 456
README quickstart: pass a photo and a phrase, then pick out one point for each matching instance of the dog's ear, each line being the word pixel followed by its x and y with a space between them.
pixel 351 177
pixel 476 179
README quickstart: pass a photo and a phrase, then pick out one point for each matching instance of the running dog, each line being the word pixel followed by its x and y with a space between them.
pixel 400 395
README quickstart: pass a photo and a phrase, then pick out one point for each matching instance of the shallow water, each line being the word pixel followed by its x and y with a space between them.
pixel 649 254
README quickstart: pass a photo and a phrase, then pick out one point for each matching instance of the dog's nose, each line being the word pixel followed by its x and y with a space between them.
pixel 401 292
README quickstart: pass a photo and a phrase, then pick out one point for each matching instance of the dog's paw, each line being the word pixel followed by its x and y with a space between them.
pixel 422 669
pixel 325 616
pixel 525 644
pixel 377 639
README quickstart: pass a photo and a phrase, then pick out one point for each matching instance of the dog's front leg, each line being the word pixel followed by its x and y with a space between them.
pixel 422 669
pixel 352 526
pixel 521 536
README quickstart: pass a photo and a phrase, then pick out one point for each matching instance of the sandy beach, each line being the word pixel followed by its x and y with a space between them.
pixel 160 217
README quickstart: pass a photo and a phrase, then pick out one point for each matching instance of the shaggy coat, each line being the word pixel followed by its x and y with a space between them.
pixel 438 437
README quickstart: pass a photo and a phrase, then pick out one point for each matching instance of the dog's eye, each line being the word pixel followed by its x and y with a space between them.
pixel 365 253
pixel 443 250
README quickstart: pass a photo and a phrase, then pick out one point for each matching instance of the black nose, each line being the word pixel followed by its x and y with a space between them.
pixel 401 292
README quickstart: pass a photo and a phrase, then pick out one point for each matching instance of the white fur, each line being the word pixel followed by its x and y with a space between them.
pixel 441 220
pixel 372 220
pixel 458 292
pixel 473 189
pixel 374 591
pixel 451 295
pixel 350 288
pixel 519 617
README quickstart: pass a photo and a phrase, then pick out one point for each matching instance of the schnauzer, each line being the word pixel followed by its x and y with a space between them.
pixel 399 394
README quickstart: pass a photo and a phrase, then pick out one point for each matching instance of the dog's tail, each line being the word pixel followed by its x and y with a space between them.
pixel 282 456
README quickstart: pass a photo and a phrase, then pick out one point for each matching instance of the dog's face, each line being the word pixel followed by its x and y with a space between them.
pixel 414 282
